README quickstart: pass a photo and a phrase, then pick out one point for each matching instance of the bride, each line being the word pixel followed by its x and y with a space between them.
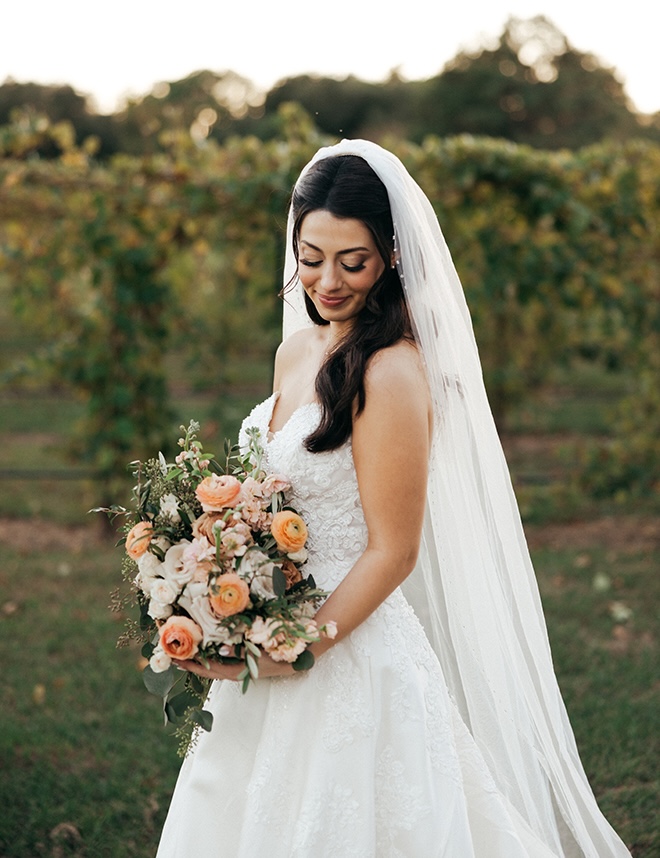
pixel 443 739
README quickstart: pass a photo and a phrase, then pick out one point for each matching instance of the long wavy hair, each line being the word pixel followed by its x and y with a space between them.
pixel 347 187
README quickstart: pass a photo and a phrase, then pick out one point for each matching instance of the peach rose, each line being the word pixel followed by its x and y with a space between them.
pixel 217 493
pixel 139 539
pixel 289 530
pixel 203 526
pixel 230 595
pixel 275 483
pixel 180 637
pixel 291 573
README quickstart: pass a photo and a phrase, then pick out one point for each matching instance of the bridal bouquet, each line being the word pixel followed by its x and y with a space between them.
pixel 216 561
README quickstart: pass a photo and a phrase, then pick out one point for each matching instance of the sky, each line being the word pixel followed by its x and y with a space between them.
pixel 121 48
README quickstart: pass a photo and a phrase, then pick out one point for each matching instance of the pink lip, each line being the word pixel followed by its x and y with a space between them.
pixel 332 302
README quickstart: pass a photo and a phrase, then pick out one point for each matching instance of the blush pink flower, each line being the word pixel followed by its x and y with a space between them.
pixel 216 493
pixel 275 483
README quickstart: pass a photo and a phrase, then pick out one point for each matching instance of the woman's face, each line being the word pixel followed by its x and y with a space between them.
pixel 338 263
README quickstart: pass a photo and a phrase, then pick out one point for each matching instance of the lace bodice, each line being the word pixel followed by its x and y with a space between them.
pixel 325 490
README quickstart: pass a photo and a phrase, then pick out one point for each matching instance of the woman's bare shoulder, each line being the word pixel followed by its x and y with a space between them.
pixel 397 368
pixel 294 349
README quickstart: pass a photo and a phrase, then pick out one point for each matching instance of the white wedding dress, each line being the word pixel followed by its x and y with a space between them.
pixel 365 755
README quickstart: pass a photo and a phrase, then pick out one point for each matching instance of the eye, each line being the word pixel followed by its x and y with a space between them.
pixel 358 267
pixel 309 263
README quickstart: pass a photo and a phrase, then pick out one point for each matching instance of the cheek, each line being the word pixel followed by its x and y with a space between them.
pixel 367 280
pixel 305 275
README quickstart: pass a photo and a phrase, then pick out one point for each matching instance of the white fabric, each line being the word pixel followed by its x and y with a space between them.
pixel 365 756
pixel 474 586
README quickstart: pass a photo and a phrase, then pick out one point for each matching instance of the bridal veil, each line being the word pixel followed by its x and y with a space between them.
pixel 474 586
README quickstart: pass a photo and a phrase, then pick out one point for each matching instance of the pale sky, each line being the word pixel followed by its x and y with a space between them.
pixel 126 46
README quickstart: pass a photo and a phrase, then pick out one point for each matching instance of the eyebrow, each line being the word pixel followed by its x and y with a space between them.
pixel 341 252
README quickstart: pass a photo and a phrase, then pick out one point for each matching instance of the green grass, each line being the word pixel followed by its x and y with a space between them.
pixel 81 738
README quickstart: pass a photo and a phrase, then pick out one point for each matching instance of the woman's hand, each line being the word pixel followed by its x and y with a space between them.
pixel 218 670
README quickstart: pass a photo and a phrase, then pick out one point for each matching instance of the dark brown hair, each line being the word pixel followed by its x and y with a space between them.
pixel 347 187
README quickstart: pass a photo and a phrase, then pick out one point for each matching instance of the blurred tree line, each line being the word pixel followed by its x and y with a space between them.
pixel 531 86
pixel 115 264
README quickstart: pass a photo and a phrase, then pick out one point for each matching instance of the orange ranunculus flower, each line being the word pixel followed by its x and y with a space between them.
pixel 217 493
pixel 289 530
pixel 138 539
pixel 230 595
pixel 180 637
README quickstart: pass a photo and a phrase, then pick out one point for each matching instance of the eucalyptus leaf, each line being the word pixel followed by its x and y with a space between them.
pixel 147 650
pixel 279 581
pixel 159 683
pixel 304 661
pixel 253 665
pixel 180 702
pixel 171 715
pixel 196 683
pixel 202 717
pixel 146 622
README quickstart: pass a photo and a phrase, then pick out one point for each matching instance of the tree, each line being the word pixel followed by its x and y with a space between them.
pixel 533 87
pixel 57 104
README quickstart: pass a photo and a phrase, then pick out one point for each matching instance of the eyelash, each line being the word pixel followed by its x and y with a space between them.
pixel 351 268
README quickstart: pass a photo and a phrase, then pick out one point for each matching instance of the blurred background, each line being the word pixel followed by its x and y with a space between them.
pixel 145 168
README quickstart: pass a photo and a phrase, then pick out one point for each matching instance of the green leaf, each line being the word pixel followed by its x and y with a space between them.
pixel 253 665
pixel 146 621
pixel 147 650
pixel 279 581
pixel 159 683
pixel 173 474
pixel 304 661
pixel 171 716
pixel 180 702
pixel 204 718
pixel 196 683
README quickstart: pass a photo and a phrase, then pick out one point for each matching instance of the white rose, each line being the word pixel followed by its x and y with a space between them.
pixel 163 591
pixel 170 506
pixel 174 569
pixel 195 601
pixel 149 568
pixel 158 610
pixel 258 570
pixel 298 556
pixel 159 660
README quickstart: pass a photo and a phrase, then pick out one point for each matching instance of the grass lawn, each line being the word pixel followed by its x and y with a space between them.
pixel 87 767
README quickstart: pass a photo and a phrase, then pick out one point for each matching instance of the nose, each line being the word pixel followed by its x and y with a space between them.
pixel 329 278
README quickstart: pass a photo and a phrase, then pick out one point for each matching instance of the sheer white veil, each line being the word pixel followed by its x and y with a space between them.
pixel 474 587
